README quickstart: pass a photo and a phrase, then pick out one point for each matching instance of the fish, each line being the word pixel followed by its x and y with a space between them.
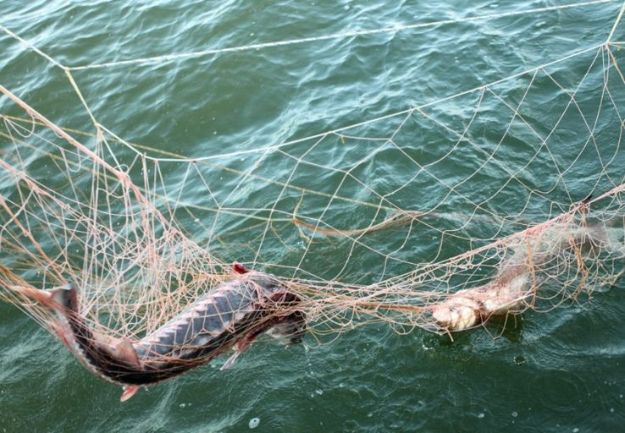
pixel 231 316
pixel 514 286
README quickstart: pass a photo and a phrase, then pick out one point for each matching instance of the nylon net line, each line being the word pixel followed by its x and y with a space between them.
pixel 440 236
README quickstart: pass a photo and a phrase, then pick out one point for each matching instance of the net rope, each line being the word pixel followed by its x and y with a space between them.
pixel 444 249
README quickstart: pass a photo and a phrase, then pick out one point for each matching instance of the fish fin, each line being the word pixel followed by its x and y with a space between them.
pixel 127 353
pixel 239 347
pixel 128 392
pixel 230 361
pixel 55 299
pixel 41 296
pixel 61 334
pixel 239 268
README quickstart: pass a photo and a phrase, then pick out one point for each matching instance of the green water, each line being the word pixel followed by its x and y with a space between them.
pixel 557 372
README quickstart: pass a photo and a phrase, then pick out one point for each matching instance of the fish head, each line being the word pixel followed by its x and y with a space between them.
pixel 290 329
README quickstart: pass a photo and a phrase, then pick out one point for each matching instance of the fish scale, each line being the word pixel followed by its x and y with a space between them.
pixel 205 318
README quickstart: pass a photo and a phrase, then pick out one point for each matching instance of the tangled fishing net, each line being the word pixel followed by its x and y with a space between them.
pixel 488 220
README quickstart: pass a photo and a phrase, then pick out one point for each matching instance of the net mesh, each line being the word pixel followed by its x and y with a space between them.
pixel 514 202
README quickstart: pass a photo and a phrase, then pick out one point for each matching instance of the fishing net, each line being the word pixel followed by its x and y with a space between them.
pixel 514 202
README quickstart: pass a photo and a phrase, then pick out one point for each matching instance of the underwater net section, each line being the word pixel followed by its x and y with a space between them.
pixel 498 199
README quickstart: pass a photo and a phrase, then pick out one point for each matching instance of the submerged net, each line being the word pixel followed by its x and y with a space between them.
pixel 515 202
